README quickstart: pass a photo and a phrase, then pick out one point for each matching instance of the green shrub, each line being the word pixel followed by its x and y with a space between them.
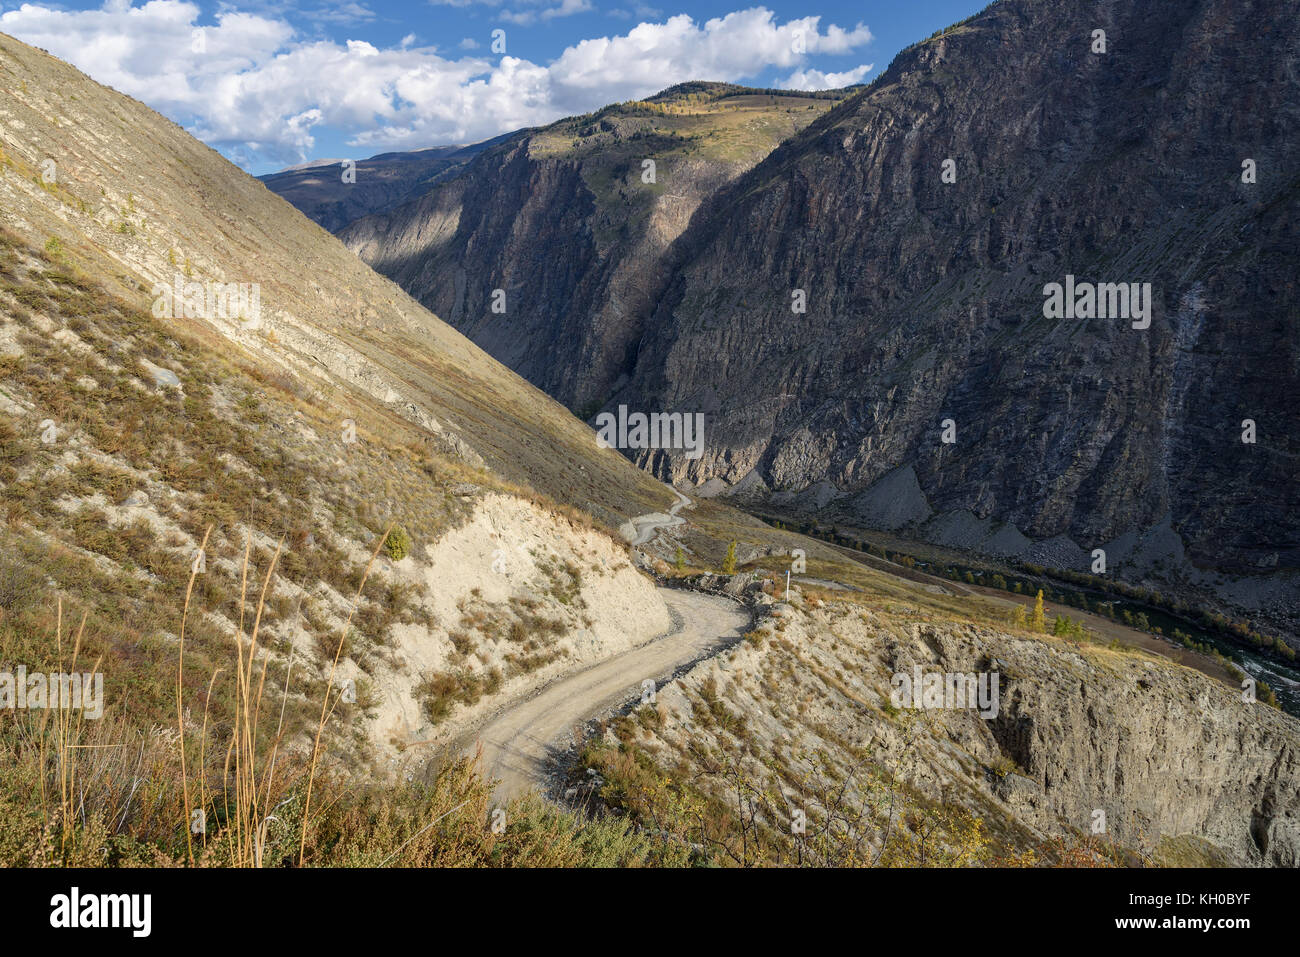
pixel 397 544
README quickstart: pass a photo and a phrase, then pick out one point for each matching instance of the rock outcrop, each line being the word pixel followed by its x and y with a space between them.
pixel 1172 760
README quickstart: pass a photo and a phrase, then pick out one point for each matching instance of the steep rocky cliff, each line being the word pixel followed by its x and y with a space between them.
pixel 1189 774
pixel 925 298
pixel 571 226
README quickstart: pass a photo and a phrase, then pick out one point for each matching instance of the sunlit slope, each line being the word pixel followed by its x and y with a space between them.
pixel 133 200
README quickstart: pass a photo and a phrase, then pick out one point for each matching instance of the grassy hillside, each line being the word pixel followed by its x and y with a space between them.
pixel 211 514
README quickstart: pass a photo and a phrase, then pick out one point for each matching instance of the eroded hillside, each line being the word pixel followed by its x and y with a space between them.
pixel 791 748
pixel 132 198
pixel 295 524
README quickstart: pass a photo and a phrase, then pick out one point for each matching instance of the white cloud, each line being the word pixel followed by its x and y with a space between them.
pixel 260 89
pixel 348 13
pixel 566 8
pixel 817 80
pixel 642 10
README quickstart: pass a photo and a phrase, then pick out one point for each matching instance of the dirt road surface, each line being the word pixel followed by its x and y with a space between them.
pixel 520 741
pixel 644 528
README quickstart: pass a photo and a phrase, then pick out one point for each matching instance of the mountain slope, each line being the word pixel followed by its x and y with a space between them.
pixel 805 706
pixel 133 197
pixel 926 298
pixel 571 225
pixel 224 464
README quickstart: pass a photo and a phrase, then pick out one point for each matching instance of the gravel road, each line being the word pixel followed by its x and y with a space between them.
pixel 519 741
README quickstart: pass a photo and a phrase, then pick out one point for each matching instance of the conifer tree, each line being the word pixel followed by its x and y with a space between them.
pixel 1039 620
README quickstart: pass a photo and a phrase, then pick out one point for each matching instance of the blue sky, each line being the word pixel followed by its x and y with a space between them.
pixel 269 83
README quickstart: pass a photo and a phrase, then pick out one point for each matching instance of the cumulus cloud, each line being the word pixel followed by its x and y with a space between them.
pixel 253 87
pixel 817 80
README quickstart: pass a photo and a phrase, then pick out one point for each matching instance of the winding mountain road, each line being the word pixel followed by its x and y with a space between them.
pixel 520 741
pixel 644 528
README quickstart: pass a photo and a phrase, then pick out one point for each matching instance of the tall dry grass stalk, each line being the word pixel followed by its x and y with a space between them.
pixel 66 735
pixel 130 774
pixel 326 708
pixel 246 790
pixel 180 706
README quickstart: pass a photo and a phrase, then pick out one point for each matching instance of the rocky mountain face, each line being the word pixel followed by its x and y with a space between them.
pixel 548 250
pixel 334 194
pixel 925 297
pixel 928 344
pixel 861 317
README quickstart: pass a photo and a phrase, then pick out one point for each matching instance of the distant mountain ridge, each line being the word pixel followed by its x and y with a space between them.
pixel 322 191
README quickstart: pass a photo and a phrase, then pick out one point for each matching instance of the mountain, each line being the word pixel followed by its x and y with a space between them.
pixel 572 227
pixel 161 209
pixel 333 194
pixel 1172 447
pixel 313 539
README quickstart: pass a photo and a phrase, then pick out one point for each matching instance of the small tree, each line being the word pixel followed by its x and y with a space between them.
pixel 729 563
pixel 679 559
pixel 1018 615
pixel 1039 620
